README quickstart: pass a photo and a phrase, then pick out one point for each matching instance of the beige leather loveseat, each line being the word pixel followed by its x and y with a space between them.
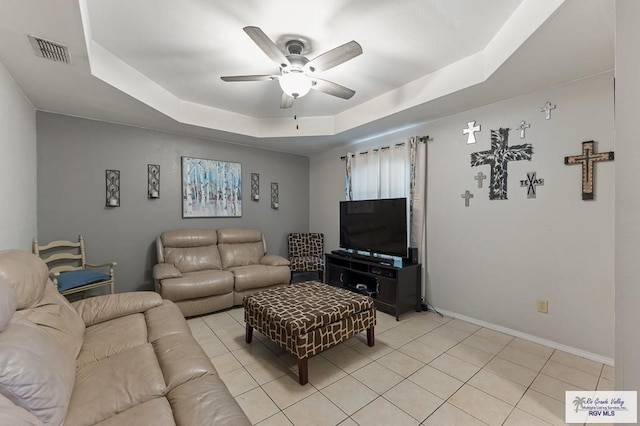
pixel 117 359
pixel 206 270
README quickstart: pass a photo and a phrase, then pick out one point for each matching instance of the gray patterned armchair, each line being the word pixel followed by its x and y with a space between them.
pixel 306 252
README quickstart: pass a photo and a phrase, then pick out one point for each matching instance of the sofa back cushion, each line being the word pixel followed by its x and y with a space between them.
pixel 39 345
pixel 240 246
pixel 191 250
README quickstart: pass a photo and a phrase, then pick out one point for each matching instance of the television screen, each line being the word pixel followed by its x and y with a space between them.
pixel 376 226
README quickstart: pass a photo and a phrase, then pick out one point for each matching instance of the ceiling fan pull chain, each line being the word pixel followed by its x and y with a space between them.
pixel 295 114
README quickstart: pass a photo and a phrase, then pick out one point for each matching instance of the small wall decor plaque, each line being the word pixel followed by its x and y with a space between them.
pixel 113 188
pixel 480 177
pixel 153 181
pixel 470 131
pixel 530 183
pixel 522 127
pixel 588 160
pixel 547 110
pixel 255 186
pixel 467 195
pixel 275 202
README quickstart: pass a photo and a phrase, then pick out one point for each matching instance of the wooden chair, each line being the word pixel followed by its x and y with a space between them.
pixel 306 253
pixel 69 269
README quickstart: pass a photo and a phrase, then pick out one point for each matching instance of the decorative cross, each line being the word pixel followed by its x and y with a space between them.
pixel 588 160
pixel 522 127
pixel 530 183
pixel 498 157
pixel 547 110
pixel 470 131
pixel 480 177
pixel 466 197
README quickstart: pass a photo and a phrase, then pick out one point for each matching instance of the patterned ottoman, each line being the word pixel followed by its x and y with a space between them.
pixel 307 318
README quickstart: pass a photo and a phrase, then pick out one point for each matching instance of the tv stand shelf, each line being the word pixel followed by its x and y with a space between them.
pixel 395 290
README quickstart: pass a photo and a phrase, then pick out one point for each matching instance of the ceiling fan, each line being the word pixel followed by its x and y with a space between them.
pixel 297 73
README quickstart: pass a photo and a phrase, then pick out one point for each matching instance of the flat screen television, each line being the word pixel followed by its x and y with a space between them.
pixel 375 226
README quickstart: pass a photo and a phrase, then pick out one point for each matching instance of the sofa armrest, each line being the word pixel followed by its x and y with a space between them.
pixel 109 306
pixel 274 260
pixel 162 271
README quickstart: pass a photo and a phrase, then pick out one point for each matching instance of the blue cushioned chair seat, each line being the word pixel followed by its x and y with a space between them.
pixel 73 279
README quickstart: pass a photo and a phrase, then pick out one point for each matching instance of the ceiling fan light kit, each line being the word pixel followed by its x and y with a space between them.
pixel 297 73
pixel 295 83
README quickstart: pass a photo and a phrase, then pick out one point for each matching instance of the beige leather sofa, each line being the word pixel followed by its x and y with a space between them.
pixel 117 359
pixel 206 270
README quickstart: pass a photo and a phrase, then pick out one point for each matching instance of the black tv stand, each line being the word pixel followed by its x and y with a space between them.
pixel 395 290
pixel 369 258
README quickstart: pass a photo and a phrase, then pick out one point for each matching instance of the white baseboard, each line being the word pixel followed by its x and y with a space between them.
pixel 555 345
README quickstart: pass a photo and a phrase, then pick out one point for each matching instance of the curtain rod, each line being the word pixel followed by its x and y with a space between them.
pixel 422 139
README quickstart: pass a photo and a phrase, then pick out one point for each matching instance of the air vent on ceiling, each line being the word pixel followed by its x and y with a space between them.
pixel 50 50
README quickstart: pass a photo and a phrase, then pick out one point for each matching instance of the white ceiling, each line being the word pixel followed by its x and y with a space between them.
pixel 158 63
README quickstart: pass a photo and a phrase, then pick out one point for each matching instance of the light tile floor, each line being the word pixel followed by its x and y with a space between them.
pixel 423 370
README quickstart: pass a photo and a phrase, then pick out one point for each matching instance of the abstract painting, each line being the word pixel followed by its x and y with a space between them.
pixel 211 188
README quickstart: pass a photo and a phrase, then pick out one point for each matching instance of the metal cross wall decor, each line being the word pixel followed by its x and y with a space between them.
pixel 480 177
pixel 588 159
pixel 470 131
pixel 530 183
pixel 467 194
pixel 498 157
pixel 522 127
pixel 547 110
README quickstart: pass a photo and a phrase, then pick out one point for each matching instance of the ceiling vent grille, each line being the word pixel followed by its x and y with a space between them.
pixel 50 50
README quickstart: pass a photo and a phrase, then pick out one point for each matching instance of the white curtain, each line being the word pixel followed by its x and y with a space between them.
pixel 381 173
pixel 418 203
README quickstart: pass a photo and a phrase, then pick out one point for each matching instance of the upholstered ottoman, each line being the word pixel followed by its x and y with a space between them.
pixel 307 318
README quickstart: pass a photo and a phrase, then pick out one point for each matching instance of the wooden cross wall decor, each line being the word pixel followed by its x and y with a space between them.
pixel 498 157
pixel 588 159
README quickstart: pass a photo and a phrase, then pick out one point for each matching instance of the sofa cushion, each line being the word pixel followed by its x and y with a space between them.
pixel 192 259
pixel 109 338
pixel 154 412
pixel 257 276
pixel 26 273
pixel 205 401
pixel 7 304
pixel 115 384
pixel 197 284
pixel 189 237
pixel 241 254
pixel 36 371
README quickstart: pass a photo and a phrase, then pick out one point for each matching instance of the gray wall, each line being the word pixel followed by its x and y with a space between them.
pixel 74 153
pixel 491 262
pixel 627 196
pixel 17 166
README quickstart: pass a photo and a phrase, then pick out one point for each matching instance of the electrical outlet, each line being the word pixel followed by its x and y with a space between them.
pixel 543 306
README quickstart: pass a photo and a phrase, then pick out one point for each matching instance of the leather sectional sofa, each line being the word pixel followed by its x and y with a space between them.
pixel 117 359
pixel 206 270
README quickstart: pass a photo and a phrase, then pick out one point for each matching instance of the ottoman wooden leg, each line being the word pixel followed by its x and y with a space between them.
pixel 303 370
pixel 248 333
pixel 370 336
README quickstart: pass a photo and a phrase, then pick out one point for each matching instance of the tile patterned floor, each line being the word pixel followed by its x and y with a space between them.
pixel 423 370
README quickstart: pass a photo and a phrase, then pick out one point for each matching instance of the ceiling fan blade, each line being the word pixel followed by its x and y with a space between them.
pixel 250 77
pixel 267 46
pixel 286 101
pixel 333 89
pixel 334 57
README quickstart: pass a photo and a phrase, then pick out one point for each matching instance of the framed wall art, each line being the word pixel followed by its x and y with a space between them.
pixel 211 188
